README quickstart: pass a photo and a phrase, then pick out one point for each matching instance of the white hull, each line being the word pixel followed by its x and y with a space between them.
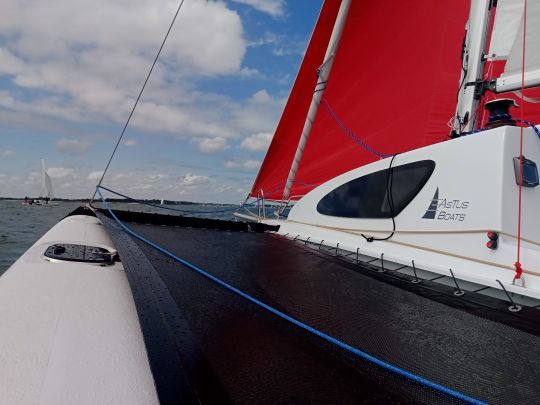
pixel 69 331
pixel 477 170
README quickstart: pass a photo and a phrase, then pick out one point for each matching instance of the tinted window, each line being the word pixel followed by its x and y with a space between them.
pixel 367 196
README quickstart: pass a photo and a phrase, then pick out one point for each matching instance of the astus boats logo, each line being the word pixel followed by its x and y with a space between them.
pixel 446 209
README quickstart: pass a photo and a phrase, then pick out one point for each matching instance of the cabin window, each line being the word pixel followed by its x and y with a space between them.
pixel 367 196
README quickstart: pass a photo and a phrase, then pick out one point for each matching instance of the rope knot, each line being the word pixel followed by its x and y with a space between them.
pixel 519 272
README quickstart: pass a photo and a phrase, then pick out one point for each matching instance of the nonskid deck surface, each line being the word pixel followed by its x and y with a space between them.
pixel 212 345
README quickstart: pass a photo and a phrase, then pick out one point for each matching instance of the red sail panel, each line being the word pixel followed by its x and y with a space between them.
pixel 394 85
pixel 275 168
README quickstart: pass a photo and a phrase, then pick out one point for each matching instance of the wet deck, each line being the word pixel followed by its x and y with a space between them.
pixel 208 345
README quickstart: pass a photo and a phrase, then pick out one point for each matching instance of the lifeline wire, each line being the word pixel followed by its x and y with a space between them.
pixel 176 209
pixel 244 204
pixel 316 332
pixel 139 96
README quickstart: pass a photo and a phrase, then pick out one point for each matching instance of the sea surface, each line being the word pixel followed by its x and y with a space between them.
pixel 21 226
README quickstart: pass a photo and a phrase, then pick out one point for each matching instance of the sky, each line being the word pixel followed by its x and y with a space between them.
pixel 70 71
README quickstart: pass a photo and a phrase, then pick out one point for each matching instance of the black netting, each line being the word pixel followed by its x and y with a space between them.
pixel 255 357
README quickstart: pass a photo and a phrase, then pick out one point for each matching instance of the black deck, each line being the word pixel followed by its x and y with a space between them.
pixel 208 345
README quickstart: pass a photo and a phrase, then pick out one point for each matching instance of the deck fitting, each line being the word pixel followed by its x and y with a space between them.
pixel 514 307
pixel 459 292
pixel 416 279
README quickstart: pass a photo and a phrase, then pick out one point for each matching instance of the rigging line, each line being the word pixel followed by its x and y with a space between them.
pixel 139 96
pixel 357 352
pixel 519 270
pixel 176 209
pixel 465 71
pixel 389 192
pixel 141 202
pixel 349 133
pixel 482 103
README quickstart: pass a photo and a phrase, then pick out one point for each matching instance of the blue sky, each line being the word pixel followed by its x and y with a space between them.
pixel 71 69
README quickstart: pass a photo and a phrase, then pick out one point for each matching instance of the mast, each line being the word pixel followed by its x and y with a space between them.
pixel 473 65
pixel 324 72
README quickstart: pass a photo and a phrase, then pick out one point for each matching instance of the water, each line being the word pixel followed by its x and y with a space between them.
pixel 21 226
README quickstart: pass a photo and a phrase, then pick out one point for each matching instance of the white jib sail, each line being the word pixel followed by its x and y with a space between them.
pixel 46 183
pixel 48 186
pixel 507 42
pixel 507 21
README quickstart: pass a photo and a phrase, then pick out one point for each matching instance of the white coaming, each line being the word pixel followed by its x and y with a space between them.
pixel 477 169
pixel 69 332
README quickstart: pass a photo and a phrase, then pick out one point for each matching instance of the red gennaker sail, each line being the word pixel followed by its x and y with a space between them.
pixel 393 85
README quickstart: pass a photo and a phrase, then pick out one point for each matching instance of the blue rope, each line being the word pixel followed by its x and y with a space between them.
pixel 350 134
pixel 507 117
pixel 322 335
pixel 534 127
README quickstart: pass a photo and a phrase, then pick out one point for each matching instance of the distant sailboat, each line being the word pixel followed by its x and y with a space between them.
pixel 46 193
pixel 46 183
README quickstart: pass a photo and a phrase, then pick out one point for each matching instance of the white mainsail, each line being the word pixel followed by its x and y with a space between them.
pixel 507 43
pixel 507 22
pixel 46 183
pixel 48 186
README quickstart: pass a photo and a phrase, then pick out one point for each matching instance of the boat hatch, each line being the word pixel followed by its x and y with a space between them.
pixel 80 253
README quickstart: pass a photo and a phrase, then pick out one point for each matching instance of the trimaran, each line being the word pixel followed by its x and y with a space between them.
pixel 407 270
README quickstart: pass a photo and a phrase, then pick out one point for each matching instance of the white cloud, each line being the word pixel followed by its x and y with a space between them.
pixel 86 59
pixel 159 176
pixel 250 72
pixel 259 113
pixel 276 8
pixel 252 164
pixel 257 142
pixel 61 172
pixel 245 165
pixel 78 182
pixel 212 145
pixel 261 96
pixel 231 164
pixel 193 179
pixel 6 152
pixel 82 61
pixel 95 175
pixel 72 146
